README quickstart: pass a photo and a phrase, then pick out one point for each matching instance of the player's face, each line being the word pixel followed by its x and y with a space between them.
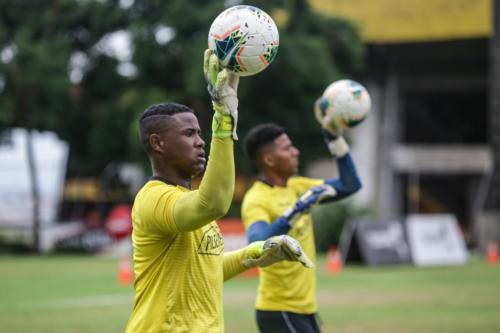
pixel 285 156
pixel 184 148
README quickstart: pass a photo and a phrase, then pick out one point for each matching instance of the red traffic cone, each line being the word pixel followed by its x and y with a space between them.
pixel 125 273
pixel 492 252
pixel 334 261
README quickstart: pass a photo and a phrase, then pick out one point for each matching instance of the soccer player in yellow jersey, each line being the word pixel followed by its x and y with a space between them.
pixel 179 263
pixel 278 203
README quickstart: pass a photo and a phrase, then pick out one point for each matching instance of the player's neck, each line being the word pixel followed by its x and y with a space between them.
pixel 167 176
pixel 273 179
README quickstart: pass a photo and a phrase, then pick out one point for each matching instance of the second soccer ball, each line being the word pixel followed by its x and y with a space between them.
pixel 245 39
pixel 344 104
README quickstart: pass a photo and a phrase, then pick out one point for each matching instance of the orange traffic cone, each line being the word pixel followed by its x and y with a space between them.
pixel 492 252
pixel 334 261
pixel 125 274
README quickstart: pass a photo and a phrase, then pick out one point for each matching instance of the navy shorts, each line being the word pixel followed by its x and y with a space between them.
pixel 287 322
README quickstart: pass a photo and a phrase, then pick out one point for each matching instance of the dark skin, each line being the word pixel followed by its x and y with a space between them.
pixel 278 161
pixel 178 151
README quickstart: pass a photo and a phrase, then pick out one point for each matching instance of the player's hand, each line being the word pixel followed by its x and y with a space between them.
pixel 222 87
pixel 332 134
pixel 311 197
pixel 324 118
pixel 273 250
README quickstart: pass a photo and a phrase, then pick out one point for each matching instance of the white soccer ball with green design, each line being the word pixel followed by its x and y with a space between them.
pixel 245 39
pixel 344 104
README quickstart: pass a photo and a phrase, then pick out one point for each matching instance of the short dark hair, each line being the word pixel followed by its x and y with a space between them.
pixel 153 119
pixel 259 137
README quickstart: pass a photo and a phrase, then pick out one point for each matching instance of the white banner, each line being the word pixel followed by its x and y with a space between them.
pixel 435 239
pixel 50 155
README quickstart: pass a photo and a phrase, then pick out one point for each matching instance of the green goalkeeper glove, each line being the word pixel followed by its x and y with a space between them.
pixel 273 250
pixel 222 87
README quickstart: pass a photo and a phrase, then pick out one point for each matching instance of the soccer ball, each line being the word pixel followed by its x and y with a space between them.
pixel 344 104
pixel 245 39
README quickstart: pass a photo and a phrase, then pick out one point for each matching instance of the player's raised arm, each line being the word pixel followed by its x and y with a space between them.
pixel 348 181
pixel 213 198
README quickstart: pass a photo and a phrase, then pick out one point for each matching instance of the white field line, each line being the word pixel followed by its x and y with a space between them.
pixel 77 302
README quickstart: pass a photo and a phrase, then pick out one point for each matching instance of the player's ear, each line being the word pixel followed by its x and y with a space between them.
pixel 156 143
pixel 268 160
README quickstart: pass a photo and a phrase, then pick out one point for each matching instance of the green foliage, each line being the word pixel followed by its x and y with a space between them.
pixel 43 36
pixel 98 114
pixel 314 51
pixel 14 245
pixel 329 220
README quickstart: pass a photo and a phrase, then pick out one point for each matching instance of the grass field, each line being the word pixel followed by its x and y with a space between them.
pixel 81 294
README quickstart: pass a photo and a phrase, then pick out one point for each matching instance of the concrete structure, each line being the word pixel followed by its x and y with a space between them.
pixel 432 143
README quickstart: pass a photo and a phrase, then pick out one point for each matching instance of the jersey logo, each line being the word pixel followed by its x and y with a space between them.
pixel 212 242
pixel 286 203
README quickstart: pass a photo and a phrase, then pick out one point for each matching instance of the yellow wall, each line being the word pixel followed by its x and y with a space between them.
pixel 385 21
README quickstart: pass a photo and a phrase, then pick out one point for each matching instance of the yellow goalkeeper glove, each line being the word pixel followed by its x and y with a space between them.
pixel 273 250
pixel 222 87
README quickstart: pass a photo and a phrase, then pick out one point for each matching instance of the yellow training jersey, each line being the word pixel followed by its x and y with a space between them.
pixel 285 286
pixel 178 275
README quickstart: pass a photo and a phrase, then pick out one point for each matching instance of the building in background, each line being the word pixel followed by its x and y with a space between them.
pixel 432 142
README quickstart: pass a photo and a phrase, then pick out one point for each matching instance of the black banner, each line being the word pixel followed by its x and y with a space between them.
pixel 375 242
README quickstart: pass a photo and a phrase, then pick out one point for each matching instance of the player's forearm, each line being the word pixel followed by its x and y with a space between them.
pixel 348 181
pixel 348 174
pixel 232 263
pixel 217 187
pixel 261 230
pixel 213 198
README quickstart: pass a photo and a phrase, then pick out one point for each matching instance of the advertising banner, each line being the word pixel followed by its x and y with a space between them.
pixel 435 239
pixel 375 242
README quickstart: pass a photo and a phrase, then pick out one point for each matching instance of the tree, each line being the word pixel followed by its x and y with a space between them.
pixel 314 51
pixel 56 75
pixel 93 107
pixel 38 40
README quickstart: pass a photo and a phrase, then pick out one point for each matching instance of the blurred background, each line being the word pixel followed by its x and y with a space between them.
pixel 75 75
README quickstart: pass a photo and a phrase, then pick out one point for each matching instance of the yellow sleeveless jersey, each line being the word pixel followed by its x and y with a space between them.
pixel 285 286
pixel 178 275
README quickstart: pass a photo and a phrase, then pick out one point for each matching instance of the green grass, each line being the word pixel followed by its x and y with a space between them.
pixel 81 294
